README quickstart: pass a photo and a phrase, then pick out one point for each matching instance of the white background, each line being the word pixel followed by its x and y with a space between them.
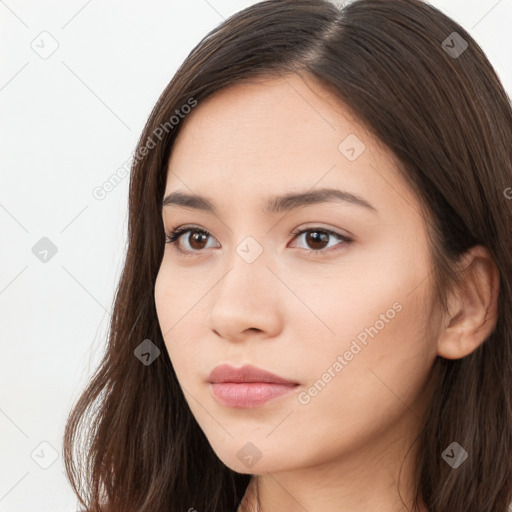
pixel 68 122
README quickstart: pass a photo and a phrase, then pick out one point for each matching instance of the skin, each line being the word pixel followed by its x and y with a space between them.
pixel 294 314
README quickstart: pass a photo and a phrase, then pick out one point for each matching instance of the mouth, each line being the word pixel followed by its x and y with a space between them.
pixel 248 386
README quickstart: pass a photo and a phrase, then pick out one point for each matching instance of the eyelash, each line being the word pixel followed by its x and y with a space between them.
pixel 176 233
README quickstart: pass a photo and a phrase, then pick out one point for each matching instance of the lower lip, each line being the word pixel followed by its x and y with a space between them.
pixel 248 394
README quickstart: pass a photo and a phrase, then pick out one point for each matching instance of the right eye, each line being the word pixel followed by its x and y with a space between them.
pixel 198 239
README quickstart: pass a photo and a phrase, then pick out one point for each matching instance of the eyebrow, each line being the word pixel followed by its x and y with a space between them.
pixel 274 205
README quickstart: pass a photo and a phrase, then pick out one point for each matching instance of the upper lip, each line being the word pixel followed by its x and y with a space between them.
pixel 246 373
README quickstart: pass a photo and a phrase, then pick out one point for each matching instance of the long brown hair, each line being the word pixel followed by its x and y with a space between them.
pixel 432 97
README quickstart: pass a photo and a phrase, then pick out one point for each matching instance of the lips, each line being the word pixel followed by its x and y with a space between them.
pixel 247 387
pixel 226 373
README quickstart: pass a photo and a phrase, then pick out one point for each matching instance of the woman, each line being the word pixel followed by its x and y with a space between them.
pixel 315 308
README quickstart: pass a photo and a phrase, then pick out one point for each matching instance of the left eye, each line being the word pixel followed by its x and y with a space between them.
pixel 315 237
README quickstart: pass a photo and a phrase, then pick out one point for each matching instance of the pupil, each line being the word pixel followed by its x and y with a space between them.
pixel 318 238
pixel 195 236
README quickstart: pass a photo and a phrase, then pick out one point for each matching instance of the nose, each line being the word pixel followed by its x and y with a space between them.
pixel 247 299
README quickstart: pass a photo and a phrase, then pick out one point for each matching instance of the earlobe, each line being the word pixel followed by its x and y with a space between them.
pixel 473 307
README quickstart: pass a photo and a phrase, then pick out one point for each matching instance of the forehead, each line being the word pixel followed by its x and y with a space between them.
pixel 272 135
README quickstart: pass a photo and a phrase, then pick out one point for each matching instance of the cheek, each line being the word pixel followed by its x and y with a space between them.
pixel 177 295
pixel 355 389
pixel 372 316
pixel 380 354
pixel 164 300
pixel 158 293
pixel 168 304
pixel 179 306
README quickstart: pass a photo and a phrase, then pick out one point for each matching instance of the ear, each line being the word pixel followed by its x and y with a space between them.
pixel 473 307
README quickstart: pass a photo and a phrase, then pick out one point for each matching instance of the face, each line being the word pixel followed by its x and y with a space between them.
pixel 328 294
